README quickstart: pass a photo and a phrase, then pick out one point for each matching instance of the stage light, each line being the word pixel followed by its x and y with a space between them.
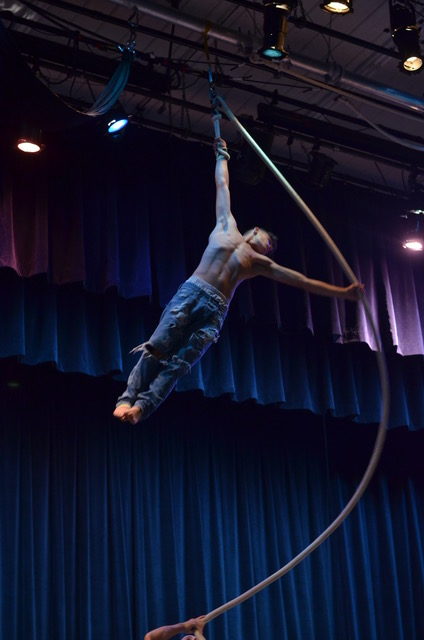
pixel 407 41
pixel 275 29
pixel 116 124
pixel 413 237
pixel 406 34
pixel 340 8
pixel 29 140
pixel 28 146
pixel 413 244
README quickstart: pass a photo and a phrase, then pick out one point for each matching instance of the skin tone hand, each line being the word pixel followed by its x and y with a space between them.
pixel 167 632
pixel 127 413
pixel 193 624
pixel 354 291
pixel 219 145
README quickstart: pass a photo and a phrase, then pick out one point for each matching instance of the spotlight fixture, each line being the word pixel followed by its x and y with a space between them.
pixel 340 8
pixel 29 140
pixel 275 28
pixel 413 239
pixel 28 146
pixel 413 244
pixel 406 34
pixel 116 124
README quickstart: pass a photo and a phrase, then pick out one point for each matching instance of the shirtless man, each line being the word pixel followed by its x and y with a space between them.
pixel 192 320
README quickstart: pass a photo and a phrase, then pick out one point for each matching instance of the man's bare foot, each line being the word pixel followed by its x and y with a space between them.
pixel 121 410
pixel 127 413
pixel 133 415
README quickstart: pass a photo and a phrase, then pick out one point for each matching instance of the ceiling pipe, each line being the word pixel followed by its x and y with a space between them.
pixel 332 73
pixel 299 23
pixel 337 76
pixel 181 19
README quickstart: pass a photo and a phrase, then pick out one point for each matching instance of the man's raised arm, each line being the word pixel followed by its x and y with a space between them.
pixel 270 269
pixel 224 217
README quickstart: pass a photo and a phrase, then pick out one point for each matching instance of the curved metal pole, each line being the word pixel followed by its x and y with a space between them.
pixel 381 435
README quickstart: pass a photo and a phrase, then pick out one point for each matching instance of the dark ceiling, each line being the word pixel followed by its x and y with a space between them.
pixel 340 81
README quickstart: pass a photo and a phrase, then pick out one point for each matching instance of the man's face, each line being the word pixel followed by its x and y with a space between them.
pixel 259 240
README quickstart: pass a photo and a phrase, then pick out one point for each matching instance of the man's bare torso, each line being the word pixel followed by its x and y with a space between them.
pixel 227 260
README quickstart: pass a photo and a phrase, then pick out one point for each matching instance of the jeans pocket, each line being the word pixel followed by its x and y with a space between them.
pixel 204 337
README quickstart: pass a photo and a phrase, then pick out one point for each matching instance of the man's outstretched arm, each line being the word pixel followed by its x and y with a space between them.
pixel 169 631
pixel 224 217
pixel 271 269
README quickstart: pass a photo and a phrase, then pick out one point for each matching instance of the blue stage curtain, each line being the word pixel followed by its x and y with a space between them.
pixel 136 216
pixel 109 530
pixel 93 334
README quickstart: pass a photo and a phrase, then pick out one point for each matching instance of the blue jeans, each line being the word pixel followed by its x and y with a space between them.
pixel 189 324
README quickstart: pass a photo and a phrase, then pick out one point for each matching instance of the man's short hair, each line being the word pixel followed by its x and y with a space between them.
pixel 273 241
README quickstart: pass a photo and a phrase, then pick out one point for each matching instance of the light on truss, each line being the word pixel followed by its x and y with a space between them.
pixel 275 28
pixel 29 140
pixel 413 238
pixel 406 34
pixel 337 7
pixel 116 124
pixel 413 244
pixel 28 146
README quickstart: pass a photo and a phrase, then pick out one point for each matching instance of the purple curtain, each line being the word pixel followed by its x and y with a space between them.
pixel 403 278
pixel 135 216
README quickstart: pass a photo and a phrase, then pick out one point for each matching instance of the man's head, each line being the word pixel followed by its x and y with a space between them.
pixel 260 240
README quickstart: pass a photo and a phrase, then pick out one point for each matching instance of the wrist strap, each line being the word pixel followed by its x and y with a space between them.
pixel 221 152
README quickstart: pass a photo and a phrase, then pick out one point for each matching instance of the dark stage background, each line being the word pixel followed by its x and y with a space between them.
pixel 107 530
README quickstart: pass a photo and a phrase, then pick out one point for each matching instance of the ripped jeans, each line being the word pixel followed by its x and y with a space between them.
pixel 189 324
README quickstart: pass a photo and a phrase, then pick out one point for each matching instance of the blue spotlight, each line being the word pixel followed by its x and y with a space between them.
pixel 117 124
pixel 274 54
pixel 275 28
